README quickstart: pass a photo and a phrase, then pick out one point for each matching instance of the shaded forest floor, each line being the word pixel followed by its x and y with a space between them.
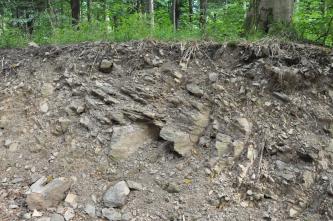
pixel 156 131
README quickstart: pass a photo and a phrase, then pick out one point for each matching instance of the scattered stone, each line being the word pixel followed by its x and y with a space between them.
pixel 85 121
pixel 69 214
pixel 27 216
pixel 283 97
pixel 126 140
pixel 195 90
pixel 111 214
pixel 134 185
pixel 105 66
pixel 293 213
pixel 62 125
pixel 71 200
pixel 47 89
pixel 308 179
pixel 13 147
pixel 244 125
pixel 57 217
pixel 213 77
pixel 43 196
pixel 172 188
pixel 223 144
pixel 116 195
pixel 44 107
pixel 184 142
pixel 35 213
pixel 90 209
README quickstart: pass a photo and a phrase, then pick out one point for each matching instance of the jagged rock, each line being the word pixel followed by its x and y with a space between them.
pixel 184 141
pixel 71 200
pixel 134 185
pixel 69 214
pixel 116 195
pixel 105 66
pixel 223 144
pixel 118 117
pixel 243 125
pixel 308 179
pixel 57 217
pixel 62 125
pixel 126 140
pixel 41 196
pixel 90 209
pixel 111 214
pixel 195 90
pixel 293 213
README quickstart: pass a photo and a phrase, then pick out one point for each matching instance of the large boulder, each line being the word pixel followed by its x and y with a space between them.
pixel 43 194
pixel 116 195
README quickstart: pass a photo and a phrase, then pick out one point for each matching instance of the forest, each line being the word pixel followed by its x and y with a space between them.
pixel 70 21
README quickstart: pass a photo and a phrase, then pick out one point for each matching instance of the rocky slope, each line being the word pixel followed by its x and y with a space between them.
pixel 156 131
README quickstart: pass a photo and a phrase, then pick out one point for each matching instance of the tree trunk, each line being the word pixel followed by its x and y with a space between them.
pixel 75 5
pixel 190 10
pixel 88 11
pixel 151 12
pixel 263 13
pixel 203 13
pixel 175 14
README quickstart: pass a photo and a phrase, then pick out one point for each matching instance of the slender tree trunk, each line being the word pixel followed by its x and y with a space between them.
pixel 88 11
pixel 263 13
pixel 75 5
pixel 190 10
pixel 203 13
pixel 174 3
pixel 151 13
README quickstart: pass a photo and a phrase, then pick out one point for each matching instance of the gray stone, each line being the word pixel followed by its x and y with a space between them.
pixel 116 195
pixel 90 209
pixel 195 90
pixel 184 141
pixel 213 77
pixel 243 125
pixel 44 107
pixel 57 217
pixel 69 214
pixel 172 188
pixel 126 140
pixel 283 97
pixel 111 214
pixel 43 196
pixel 134 185
pixel 105 66
pixel 223 144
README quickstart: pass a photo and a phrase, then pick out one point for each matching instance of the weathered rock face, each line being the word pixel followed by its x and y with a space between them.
pixel 126 140
pixel 43 196
pixel 184 141
pixel 116 195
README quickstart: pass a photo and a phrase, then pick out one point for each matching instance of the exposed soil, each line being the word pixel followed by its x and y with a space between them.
pixel 207 131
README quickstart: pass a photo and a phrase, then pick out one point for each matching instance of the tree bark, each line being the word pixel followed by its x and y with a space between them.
pixel 75 5
pixel 175 14
pixel 263 13
pixel 203 13
pixel 151 12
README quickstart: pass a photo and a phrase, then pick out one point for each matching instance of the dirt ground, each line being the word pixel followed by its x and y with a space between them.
pixel 198 131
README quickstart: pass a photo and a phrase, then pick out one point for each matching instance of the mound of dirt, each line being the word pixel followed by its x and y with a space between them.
pixel 156 131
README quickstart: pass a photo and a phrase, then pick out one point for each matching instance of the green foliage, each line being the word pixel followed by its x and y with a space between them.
pixel 226 23
pixel 121 20
pixel 313 21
